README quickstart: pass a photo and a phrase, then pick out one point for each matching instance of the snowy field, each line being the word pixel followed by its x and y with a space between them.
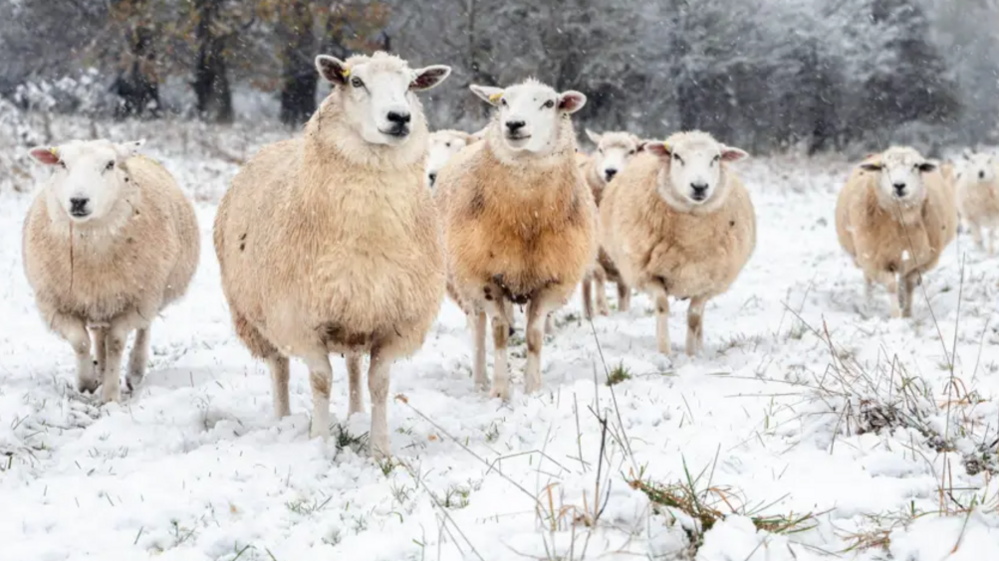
pixel 813 427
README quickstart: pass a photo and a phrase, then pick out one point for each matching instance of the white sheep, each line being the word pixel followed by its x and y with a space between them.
pixel 331 243
pixel 894 217
pixel 613 152
pixel 978 198
pixel 678 222
pixel 108 243
pixel 519 221
pixel 443 145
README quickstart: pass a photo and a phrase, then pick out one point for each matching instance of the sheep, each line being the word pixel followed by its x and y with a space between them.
pixel 109 242
pixel 614 150
pixel 678 222
pixel 443 145
pixel 519 222
pixel 978 199
pixel 331 243
pixel 894 217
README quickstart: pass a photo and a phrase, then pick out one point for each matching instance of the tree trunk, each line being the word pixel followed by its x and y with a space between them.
pixel 211 79
pixel 138 86
pixel 299 78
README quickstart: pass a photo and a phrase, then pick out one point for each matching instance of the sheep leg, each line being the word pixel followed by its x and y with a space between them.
pixel 116 340
pixel 588 296
pixel 100 349
pixel 976 234
pixel 662 323
pixel 382 357
pixel 278 366
pixel 601 276
pixel 354 381
pixel 321 380
pixel 501 334
pixel 479 376
pixel 905 294
pixel 893 295
pixel 868 288
pixel 138 358
pixel 510 316
pixel 993 234
pixel 623 296
pixel 695 325
pixel 537 311
pixel 550 324
pixel 74 330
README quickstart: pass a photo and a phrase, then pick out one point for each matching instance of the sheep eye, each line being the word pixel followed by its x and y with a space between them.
pixel 549 104
pixel 631 152
pixel 678 158
pixel 447 145
pixel 716 159
pixel 109 167
pixel 356 82
pixel 503 102
pixel 62 164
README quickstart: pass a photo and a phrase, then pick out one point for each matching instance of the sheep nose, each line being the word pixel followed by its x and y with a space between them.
pixel 699 187
pixel 899 188
pixel 514 126
pixel 432 177
pixel 398 117
pixel 610 173
pixel 981 175
pixel 78 206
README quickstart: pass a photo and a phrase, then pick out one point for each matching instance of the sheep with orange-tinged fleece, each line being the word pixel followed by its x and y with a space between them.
pixel 978 199
pixel 614 151
pixel 331 243
pixel 109 242
pixel 519 221
pixel 678 222
pixel 443 145
pixel 894 217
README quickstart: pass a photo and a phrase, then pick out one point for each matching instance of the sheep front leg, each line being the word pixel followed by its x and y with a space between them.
pixel 993 234
pixel 976 234
pixel 538 311
pixel 321 380
pixel 623 296
pixel 695 325
pixel 905 294
pixel 138 358
pixel 74 330
pixel 893 294
pixel 278 366
pixel 479 377
pixel 100 349
pixel 382 357
pixel 354 383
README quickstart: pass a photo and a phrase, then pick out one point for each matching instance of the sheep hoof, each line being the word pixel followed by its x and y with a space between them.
pixel 87 386
pixel 318 430
pixel 133 380
pixel 500 392
pixel 111 395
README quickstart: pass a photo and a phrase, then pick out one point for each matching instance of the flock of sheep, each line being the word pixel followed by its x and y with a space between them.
pixel 345 240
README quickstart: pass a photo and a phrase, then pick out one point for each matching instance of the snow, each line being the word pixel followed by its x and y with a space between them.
pixel 194 467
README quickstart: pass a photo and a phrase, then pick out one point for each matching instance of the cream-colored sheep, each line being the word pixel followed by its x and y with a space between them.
pixel 108 243
pixel 895 217
pixel 978 199
pixel 614 151
pixel 519 221
pixel 443 145
pixel 678 222
pixel 331 244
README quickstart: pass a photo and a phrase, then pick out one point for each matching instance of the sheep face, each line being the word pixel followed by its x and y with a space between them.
pixel 900 175
pixel 442 146
pixel 88 176
pixel 530 114
pixel 614 150
pixel 693 173
pixel 376 94
pixel 979 167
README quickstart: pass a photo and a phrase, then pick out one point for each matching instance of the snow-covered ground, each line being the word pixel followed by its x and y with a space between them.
pixel 807 400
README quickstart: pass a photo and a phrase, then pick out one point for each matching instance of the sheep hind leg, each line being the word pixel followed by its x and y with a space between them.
pixel 278 367
pixel 905 293
pixel 662 323
pixel 354 383
pixel 100 349
pixel 74 330
pixel 623 296
pixel 137 359
pixel 479 377
pixel 321 381
pixel 601 289
pixel 695 325
pixel 501 336
pixel 894 296
pixel 588 296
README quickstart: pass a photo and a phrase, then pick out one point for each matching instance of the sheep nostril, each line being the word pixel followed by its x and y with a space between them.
pixel 432 177
pixel 610 173
pixel 981 175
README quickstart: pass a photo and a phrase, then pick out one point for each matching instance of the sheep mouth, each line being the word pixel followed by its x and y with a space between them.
pixel 400 132
pixel 698 196
pixel 518 137
pixel 79 213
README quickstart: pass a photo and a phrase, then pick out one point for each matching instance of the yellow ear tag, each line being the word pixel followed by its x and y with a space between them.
pixel 666 145
pixel 345 72
pixel 54 151
pixel 495 97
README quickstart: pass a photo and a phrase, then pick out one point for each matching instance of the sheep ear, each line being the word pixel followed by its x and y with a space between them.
pixel 490 95
pixel 332 69
pixel 46 155
pixel 658 148
pixel 128 150
pixel 594 137
pixel 644 143
pixel 732 154
pixel 429 78
pixel 927 167
pixel 966 154
pixel 871 166
pixel 571 101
